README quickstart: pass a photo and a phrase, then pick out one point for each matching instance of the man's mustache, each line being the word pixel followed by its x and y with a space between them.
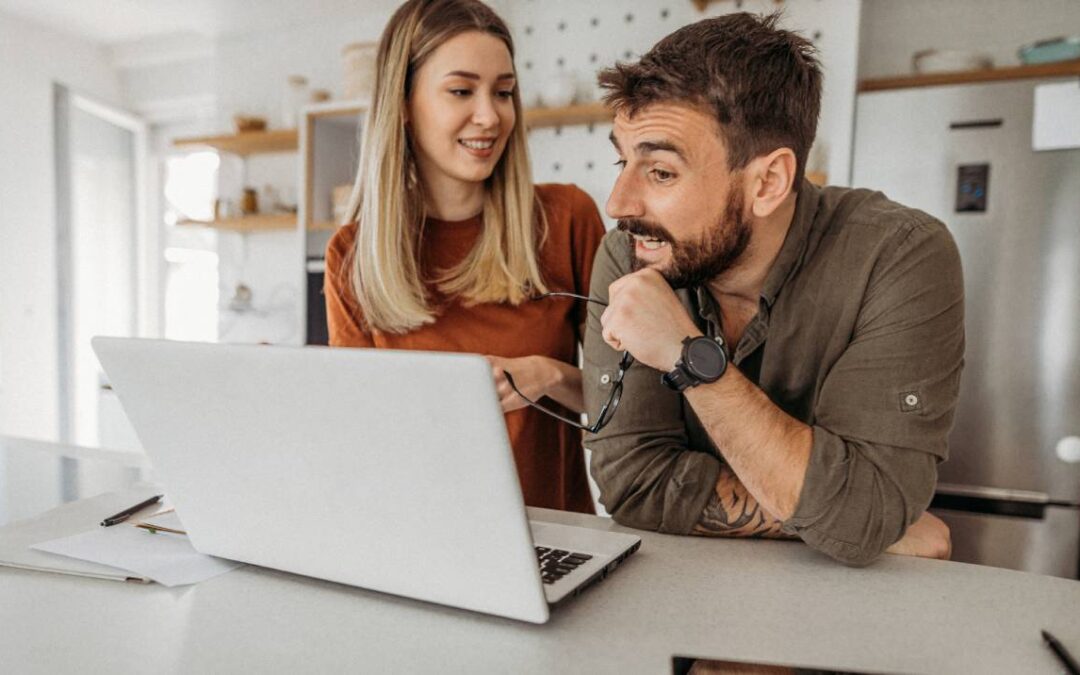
pixel 644 228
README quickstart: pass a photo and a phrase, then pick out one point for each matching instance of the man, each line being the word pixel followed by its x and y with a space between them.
pixel 823 328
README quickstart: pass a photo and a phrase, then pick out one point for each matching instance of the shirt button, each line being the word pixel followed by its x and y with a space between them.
pixel 911 399
pixel 605 378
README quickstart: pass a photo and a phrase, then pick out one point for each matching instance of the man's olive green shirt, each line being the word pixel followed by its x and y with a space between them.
pixel 859 334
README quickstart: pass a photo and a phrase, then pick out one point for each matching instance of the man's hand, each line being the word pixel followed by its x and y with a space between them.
pixel 928 537
pixel 645 318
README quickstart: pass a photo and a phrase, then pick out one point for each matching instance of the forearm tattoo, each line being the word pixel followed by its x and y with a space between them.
pixel 732 512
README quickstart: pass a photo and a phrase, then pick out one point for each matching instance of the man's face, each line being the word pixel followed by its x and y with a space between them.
pixel 675 197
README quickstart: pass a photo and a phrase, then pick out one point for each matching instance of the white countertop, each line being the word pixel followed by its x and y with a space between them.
pixel 775 602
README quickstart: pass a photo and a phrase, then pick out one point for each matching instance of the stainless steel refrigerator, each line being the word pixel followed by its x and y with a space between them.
pixel 1010 490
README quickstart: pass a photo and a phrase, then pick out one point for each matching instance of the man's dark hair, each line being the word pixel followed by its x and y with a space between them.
pixel 762 84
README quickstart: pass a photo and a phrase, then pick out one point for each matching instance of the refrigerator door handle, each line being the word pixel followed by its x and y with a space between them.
pixel 1027 496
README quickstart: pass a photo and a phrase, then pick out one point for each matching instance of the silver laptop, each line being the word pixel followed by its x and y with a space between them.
pixel 388 470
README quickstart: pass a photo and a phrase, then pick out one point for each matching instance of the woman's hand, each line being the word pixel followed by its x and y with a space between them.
pixel 533 375
pixel 537 376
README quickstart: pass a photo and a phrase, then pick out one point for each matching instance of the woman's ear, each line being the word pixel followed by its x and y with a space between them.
pixel 774 180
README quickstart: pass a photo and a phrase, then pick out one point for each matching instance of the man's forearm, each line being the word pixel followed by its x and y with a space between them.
pixel 765 447
pixel 733 512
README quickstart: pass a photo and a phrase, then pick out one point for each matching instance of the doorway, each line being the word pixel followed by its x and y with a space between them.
pixel 105 262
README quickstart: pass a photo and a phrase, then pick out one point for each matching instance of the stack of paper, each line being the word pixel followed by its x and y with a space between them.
pixel 69 540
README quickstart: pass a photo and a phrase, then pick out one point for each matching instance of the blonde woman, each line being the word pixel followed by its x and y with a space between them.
pixel 450 241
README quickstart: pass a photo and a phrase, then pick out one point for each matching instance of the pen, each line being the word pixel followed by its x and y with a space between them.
pixel 1066 658
pixel 126 513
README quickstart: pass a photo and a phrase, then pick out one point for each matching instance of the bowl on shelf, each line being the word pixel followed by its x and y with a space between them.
pixel 949 61
pixel 1051 51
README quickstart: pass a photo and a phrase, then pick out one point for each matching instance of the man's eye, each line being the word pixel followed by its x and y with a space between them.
pixel 621 163
pixel 662 176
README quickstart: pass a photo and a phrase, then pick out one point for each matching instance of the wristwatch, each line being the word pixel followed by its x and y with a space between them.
pixel 703 360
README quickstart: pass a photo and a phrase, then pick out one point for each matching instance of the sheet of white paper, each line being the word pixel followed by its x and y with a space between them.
pixel 1057 116
pixel 68 519
pixel 168 559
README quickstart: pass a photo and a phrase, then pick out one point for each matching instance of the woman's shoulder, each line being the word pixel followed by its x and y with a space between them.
pixel 341 244
pixel 563 196
pixel 568 207
pixel 342 239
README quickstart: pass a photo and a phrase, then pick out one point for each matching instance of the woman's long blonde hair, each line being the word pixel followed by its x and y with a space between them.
pixel 387 200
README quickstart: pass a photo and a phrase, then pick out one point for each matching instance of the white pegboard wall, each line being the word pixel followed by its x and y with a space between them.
pixel 553 36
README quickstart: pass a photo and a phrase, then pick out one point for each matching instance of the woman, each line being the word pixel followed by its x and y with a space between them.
pixel 450 242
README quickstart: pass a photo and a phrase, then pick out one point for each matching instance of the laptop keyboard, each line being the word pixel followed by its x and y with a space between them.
pixel 556 563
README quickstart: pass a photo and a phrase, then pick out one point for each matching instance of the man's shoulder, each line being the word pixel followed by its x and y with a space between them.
pixel 870 215
pixel 614 257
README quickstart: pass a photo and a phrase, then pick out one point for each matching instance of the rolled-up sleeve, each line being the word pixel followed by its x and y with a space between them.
pixel 885 408
pixel 648 476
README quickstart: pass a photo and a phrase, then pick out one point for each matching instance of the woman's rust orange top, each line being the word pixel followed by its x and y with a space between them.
pixel 549 455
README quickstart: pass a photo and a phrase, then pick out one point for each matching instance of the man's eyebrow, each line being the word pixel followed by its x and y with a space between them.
pixel 473 76
pixel 646 147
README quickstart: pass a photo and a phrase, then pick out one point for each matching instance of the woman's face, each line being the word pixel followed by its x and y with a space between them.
pixel 461 108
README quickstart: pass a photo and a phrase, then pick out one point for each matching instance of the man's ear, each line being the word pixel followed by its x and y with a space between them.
pixel 773 180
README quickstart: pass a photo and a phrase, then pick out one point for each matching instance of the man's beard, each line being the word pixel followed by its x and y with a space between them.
pixel 696 263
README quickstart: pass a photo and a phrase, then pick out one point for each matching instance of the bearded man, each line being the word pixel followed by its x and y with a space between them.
pixel 798 349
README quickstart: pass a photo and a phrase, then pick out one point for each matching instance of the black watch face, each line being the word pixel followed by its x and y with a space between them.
pixel 705 358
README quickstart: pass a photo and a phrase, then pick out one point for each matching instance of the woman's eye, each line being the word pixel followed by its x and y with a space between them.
pixel 460 92
pixel 621 163
pixel 506 94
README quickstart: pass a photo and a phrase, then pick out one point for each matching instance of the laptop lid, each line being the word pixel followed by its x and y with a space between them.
pixel 388 470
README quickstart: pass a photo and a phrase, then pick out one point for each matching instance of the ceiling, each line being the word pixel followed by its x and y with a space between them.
pixel 111 22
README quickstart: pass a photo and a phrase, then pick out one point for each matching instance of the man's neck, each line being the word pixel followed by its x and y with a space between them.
pixel 743 282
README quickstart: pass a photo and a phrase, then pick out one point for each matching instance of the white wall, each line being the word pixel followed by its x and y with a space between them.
pixel 32 58
pixel 893 30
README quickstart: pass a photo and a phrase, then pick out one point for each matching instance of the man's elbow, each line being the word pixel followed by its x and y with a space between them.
pixel 858 554
pixel 854 542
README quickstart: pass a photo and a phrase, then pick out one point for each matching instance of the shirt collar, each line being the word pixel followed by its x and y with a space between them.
pixel 794 246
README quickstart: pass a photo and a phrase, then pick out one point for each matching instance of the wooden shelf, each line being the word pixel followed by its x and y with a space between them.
pixel 587 113
pixel 287 140
pixel 248 143
pixel 1062 69
pixel 256 223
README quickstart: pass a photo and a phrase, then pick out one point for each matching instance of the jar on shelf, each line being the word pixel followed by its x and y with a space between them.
pixel 358 64
pixel 293 99
pixel 559 89
pixel 249 203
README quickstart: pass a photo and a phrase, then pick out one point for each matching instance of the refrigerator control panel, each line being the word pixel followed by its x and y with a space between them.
pixel 972 186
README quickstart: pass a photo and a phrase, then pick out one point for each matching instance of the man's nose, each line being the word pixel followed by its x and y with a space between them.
pixel 625 199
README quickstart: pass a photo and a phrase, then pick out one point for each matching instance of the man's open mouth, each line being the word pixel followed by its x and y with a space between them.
pixel 650 243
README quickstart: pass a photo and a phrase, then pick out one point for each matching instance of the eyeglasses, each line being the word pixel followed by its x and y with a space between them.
pixel 607 411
